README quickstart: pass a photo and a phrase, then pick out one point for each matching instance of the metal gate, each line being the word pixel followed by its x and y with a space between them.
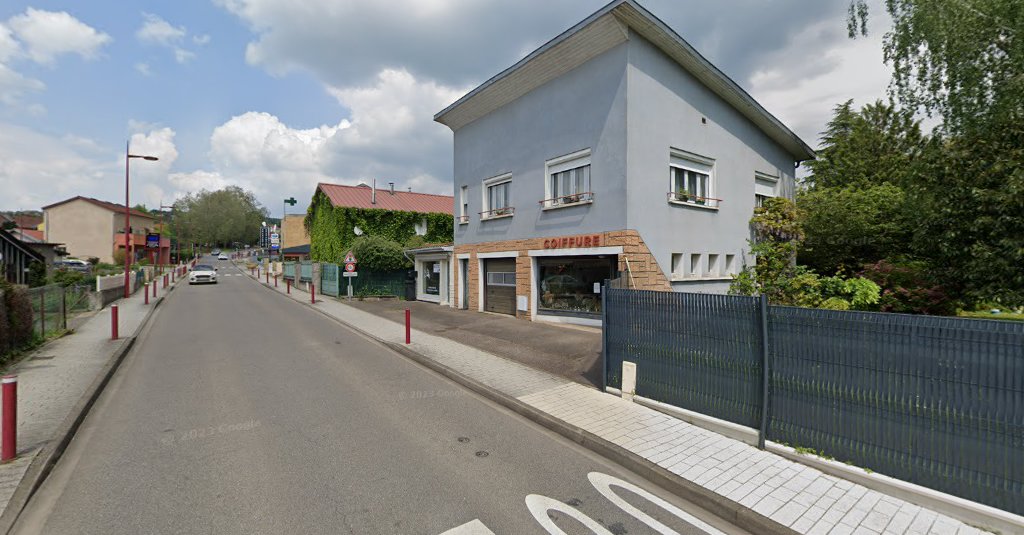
pixel 500 285
pixel 289 270
pixel 306 271
pixel 329 279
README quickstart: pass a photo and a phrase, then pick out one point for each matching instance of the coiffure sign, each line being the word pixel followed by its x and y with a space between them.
pixel 573 241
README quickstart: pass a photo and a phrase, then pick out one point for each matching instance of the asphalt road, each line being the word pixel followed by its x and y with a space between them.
pixel 241 412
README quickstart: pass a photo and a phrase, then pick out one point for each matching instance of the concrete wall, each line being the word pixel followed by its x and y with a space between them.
pixel 670 109
pixel 85 229
pixel 293 231
pixel 585 108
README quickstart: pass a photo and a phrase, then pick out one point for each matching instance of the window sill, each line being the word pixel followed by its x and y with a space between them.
pixel 694 205
pixel 565 205
pixel 463 222
pixel 701 279
pixel 493 217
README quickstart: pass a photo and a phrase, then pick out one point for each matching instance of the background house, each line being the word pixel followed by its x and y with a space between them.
pixel 338 215
pixel 93 228
pixel 15 258
pixel 614 149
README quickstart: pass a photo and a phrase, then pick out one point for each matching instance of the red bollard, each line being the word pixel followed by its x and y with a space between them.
pixel 9 449
pixel 154 289
pixel 408 327
pixel 145 293
pixel 275 281
pixel 268 277
pixel 172 275
pixel 288 286
pixel 113 322
pixel 312 293
pixel 165 281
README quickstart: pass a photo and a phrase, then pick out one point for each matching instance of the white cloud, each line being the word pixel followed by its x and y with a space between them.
pixel 13 85
pixel 390 136
pixel 36 169
pixel 48 34
pixel 143 69
pixel 183 56
pixel 156 30
pixel 803 95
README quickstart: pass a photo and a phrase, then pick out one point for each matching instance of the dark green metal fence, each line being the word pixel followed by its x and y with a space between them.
pixel 289 270
pixel 306 271
pixel 369 283
pixel 934 401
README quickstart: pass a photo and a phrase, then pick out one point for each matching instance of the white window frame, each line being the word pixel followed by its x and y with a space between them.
pixel 580 158
pixel 487 212
pixel 765 185
pixel 464 205
pixel 688 161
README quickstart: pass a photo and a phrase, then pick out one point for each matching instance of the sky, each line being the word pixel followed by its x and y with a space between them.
pixel 275 96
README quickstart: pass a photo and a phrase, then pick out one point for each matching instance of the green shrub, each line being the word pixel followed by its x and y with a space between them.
pixel 379 254
pixel 19 316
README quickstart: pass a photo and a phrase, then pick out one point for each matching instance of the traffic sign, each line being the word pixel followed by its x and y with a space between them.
pixel 350 258
pixel 351 268
pixel 274 236
pixel 349 274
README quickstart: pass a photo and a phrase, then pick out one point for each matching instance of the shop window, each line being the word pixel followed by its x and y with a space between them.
pixel 568 180
pixel 432 278
pixel 691 179
pixel 571 286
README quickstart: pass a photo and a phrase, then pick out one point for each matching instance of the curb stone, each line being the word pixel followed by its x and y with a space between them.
pixel 712 502
pixel 48 456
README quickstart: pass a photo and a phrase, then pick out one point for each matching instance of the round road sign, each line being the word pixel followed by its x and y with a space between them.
pixel 350 267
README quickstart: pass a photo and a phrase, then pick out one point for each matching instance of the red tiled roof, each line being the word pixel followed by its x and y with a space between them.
pixel 405 201
pixel 32 233
pixel 119 208
pixel 28 221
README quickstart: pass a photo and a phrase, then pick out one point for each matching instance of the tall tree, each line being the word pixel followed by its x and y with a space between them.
pixel 874 145
pixel 960 59
pixel 220 217
pixel 963 60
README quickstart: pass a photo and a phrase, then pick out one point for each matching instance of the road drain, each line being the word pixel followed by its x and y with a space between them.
pixel 482 454
pixel 463 439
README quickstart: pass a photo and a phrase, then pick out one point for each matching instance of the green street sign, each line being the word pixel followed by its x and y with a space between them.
pixel 291 201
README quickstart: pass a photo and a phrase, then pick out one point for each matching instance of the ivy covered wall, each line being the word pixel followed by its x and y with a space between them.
pixel 332 228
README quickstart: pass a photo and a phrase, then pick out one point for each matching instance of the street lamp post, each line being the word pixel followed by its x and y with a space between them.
pixel 127 212
pixel 284 213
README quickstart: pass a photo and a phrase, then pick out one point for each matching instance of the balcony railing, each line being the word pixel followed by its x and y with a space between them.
pixel 507 211
pixel 688 198
pixel 568 200
pixel 462 219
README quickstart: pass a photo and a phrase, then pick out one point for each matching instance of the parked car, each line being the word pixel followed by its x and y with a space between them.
pixel 222 256
pixel 203 274
pixel 215 252
pixel 74 264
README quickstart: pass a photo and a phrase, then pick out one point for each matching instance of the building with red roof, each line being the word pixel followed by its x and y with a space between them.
pixel 93 228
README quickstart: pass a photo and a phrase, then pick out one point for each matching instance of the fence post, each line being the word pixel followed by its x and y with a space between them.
pixel 9 446
pixel 604 336
pixel 42 312
pixel 764 372
pixel 64 307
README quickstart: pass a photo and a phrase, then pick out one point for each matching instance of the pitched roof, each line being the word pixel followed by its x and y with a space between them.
pixel 405 201
pixel 20 245
pixel 28 235
pixel 591 37
pixel 119 208
pixel 28 221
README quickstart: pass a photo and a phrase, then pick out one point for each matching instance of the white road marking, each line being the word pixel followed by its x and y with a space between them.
pixel 540 505
pixel 475 527
pixel 603 483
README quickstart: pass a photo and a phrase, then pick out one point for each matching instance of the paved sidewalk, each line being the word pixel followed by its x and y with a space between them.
pixel 53 379
pixel 791 494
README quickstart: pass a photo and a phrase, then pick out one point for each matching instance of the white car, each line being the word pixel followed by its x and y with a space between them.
pixel 222 257
pixel 202 274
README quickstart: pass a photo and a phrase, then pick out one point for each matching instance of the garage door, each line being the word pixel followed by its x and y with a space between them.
pixel 500 285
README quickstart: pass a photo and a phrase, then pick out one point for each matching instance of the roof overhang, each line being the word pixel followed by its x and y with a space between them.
pixel 595 35
pixel 434 249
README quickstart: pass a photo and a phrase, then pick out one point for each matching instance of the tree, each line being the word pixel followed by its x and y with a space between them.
pixel 778 234
pixel 962 60
pixel 875 145
pixel 379 254
pixel 222 217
